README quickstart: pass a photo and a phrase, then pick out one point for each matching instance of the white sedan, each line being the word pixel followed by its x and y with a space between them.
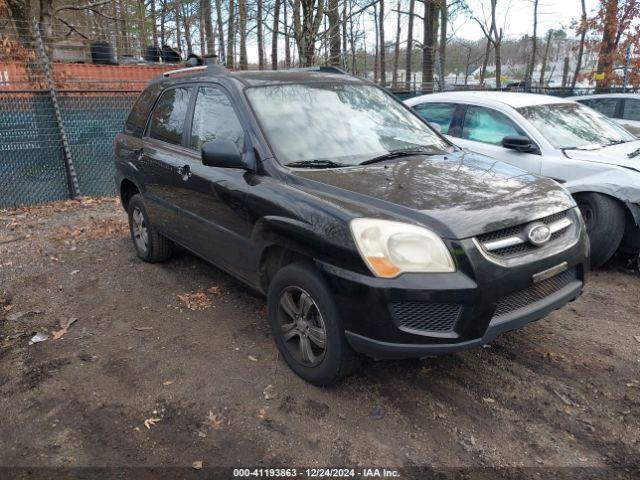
pixel 623 108
pixel 594 158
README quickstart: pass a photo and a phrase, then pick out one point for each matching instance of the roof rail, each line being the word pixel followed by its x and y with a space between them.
pixel 322 69
pixel 210 69
pixel 183 70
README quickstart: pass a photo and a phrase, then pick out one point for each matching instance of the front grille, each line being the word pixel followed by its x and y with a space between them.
pixel 536 292
pixel 426 316
pixel 521 248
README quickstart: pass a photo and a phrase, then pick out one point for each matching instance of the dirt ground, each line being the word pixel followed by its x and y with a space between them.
pixel 562 392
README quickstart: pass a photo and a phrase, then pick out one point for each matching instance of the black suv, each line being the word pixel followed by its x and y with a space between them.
pixel 368 232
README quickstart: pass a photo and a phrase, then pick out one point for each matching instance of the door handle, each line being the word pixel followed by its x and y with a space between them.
pixel 184 172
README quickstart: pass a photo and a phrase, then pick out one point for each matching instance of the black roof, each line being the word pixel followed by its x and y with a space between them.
pixel 260 77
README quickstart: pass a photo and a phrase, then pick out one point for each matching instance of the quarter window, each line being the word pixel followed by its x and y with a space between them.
pixel 488 126
pixel 214 117
pixel 438 113
pixel 631 109
pixel 167 121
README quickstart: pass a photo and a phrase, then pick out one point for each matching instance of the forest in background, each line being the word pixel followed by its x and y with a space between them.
pixel 410 44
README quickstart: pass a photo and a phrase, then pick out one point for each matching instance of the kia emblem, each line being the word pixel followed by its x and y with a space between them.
pixel 538 233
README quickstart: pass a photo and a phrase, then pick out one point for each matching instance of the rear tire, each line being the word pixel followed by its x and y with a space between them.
pixel 605 221
pixel 302 311
pixel 150 245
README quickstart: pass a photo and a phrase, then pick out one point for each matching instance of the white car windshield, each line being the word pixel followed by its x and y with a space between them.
pixel 571 125
pixel 338 124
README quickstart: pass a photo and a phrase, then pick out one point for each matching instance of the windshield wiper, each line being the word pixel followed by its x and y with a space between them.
pixel 397 154
pixel 317 164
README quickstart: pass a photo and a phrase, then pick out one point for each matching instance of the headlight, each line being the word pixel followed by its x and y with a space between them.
pixel 391 248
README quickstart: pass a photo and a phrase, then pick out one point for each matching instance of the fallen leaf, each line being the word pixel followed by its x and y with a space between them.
pixel 74 272
pixel 213 290
pixel 637 337
pixel 58 334
pixel 488 400
pixel 262 413
pixel 167 383
pixel 270 392
pixel 195 301
pixel 252 358
pixel 197 465
pixel 215 420
pixel 140 329
pixel 151 422
pixel 38 337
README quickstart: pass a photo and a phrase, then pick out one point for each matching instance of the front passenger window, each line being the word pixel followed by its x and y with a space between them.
pixel 488 126
pixel 214 117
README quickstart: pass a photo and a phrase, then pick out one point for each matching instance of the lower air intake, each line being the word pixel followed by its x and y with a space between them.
pixel 426 316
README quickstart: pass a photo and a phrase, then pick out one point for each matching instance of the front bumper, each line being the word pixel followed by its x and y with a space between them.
pixel 416 315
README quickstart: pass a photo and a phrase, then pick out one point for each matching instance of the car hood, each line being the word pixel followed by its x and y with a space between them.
pixel 611 155
pixel 458 195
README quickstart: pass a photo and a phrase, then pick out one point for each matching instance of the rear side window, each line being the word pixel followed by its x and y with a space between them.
pixel 214 117
pixel 167 120
pixel 631 109
pixel 606 106
pixel 438 113
pixel 138 116
pixel 488 126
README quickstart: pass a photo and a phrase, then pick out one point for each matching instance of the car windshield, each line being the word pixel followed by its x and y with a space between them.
pixel 571 125
pixel 333 125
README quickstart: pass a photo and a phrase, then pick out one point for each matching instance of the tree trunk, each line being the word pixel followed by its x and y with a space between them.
pixel 274 35
pixel 543 67
pixel 142 14
pixel 408 66
pixel 46 17
pixel 242 15
pixel 202 30
pixel 583 34
pixel 176 13
pixel 376 58
pixel 608 44
pixel 344 33
pixel 383 48
pixel 427 46
pixel 154 23
pixel 231 35
pixel 210 37
pixel 565 72
pixel 396 53
pixel 163 23
pixel 333 14
pixel 260 35
pixel 534 47
pixel 186 21
pixel 485 62
pixel 442 46
pixel 220 31
pixel 287 44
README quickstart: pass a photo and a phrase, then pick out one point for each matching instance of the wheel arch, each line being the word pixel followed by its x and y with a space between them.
pixel 128 189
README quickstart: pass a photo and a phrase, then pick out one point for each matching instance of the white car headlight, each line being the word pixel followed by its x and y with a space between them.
pixel 391 248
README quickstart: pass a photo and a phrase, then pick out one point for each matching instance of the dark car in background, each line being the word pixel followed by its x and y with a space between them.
pixel 368 232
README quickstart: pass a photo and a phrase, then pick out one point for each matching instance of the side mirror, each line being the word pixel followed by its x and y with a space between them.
pixel 520 144
pixel 436 127
pixel 222 153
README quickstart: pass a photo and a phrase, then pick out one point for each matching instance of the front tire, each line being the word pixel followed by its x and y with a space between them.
pixel 306 326
pixel 605 222
pixel 150 245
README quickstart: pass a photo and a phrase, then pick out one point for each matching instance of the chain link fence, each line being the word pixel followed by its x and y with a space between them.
pixel 58 121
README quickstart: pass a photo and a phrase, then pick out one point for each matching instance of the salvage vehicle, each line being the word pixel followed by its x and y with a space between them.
pixel 623 108
pixel 368 232
pixel 591 156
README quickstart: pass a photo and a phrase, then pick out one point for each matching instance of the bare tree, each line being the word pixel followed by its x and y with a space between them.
pixel 231 34
pixel 383 48
pixel 442 45
pixel 494 36
pixel 583 34
pixel 307 18
pixel 534 45
pixel 210 38
pixel 260 36
pixel 545 57
pixel 274 34
pixel 220 29
pixel 408 62
pixel 242 14
pixel 396 53
pixel 428 44
pixel 333 14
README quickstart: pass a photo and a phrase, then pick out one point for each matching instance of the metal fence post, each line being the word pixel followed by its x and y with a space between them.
pixel 72 177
